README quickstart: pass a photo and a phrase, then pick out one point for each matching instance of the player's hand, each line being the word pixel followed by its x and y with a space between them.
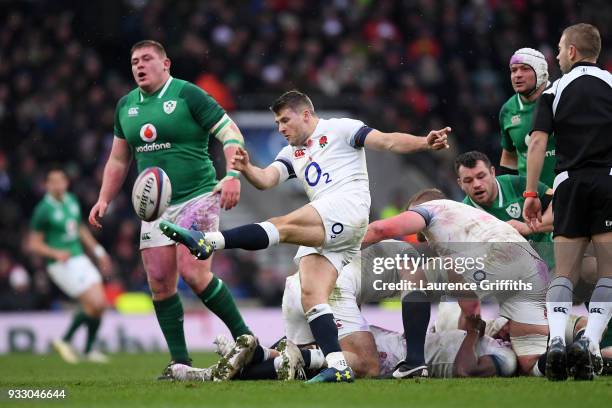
pixel 62 256
pixel 438 139
pixel 521 227
pixel 241 160
pixel 532 212
pixel 230 192
pixel 97 212
pixel 476 324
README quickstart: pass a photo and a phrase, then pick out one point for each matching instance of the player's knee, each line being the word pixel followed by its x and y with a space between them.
pixel 366 367
pixel 283 225
pixel 161 287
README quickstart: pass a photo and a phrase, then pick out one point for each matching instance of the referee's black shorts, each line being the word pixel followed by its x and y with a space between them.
pixel 582 204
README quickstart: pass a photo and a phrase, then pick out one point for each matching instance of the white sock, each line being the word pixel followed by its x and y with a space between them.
pixel 336 360
pixel 536 371
pixel 600 310
pixel 266 352
pixel 317 359
pixel 558 313
pixel 558 306
pixel 216 239
pixel 271 231
pixel 277 362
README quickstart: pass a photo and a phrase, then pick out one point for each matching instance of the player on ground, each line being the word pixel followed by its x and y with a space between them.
pixel 57 234
pixel 167 122
pixel 327 156
pixel 529 77
pixel 458 232
pixel 370 350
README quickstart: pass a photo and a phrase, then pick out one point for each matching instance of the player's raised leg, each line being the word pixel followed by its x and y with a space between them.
pixel 301 227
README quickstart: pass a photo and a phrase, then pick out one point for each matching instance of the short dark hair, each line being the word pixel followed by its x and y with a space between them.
pixel 586 39
pixel 149 43
pixel 294 100
pixel 470 159
pixel 55 167
pixel 425 195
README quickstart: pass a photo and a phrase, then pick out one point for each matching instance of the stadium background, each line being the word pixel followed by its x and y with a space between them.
pixel 398 65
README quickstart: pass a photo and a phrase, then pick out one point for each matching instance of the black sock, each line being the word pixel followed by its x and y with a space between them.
pixel 262 371
pixel 251 237
pixel 258 355
pixel 416 309
pixel 306 357
pixel 325 332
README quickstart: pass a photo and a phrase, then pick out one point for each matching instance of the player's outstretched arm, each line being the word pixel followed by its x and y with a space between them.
pixel 406 223
pixel 406 143
pixel 262 179
pixel 115 170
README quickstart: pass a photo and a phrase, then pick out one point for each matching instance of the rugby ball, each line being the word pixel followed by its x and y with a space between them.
pixel 151 193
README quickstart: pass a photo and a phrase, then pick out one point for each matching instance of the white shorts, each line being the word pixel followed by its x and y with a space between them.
pixel 74 276
pixel 344 306
pixel 345 218
pixel 521 306
pixel 201 211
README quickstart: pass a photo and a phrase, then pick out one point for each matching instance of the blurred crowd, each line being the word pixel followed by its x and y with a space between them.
pixel 405 65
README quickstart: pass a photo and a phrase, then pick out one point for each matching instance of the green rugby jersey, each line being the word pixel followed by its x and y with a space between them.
pixel 59 222
pixel 515 123
pixel 170 129
pixel 509 206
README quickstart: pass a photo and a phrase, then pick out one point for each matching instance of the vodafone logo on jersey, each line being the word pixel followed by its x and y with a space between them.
pixel 148 133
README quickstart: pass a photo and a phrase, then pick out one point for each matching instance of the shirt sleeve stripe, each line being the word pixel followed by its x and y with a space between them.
pixel 289 168
pixel 232 141
pixel 423 212
pixel 219 126
pixel 359 137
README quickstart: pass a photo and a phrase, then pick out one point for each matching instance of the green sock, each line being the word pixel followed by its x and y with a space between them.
pixel 219 300
pixel 170 317
pixel 93 324
pixel 77 320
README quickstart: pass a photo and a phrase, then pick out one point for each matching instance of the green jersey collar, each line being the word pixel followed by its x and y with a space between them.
pixel 159 93
pixel 53 201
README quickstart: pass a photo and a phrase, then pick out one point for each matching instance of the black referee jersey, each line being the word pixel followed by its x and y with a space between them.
pixel 577 108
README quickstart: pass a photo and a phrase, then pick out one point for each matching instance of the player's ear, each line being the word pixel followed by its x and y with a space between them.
pixel 459 184
pixel 493 171
pixel 167 64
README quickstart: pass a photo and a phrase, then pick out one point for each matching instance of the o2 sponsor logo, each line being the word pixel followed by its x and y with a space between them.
pixel 313 174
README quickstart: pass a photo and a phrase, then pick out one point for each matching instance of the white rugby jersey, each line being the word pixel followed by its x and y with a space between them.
pixel 333 159
pixel 452 221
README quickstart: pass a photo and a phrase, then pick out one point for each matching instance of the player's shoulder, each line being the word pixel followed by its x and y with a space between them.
pixel 341 123
pixel 130 97
pixel 42 206
pixel 510 105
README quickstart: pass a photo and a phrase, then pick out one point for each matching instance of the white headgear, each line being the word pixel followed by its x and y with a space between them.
pixel 535 59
